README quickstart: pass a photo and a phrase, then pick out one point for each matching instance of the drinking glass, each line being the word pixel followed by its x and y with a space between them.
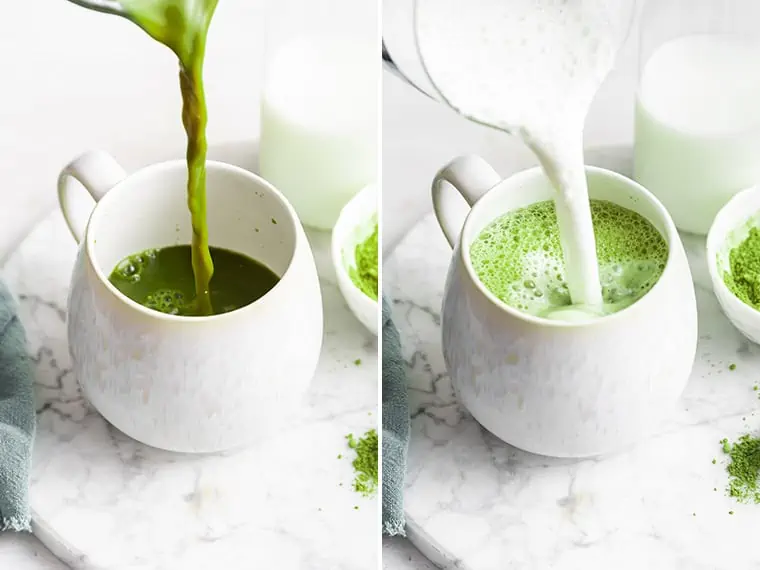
pixel 319 106
pixel 697 126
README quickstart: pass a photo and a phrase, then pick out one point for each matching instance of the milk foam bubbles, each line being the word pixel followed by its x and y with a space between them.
pixel 518 258
pixel 697 137
pixel 532 68
pixel 319 123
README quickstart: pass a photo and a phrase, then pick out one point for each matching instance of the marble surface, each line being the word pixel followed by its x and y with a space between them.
pixel 476 503
pixel 399 553
pixel 101 500
pixel 26 552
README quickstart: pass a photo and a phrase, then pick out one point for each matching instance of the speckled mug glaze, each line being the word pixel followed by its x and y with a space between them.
pixel 202 384
pixel 555 388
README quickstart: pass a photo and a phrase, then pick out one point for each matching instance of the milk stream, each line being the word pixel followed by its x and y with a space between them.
pixel 531 68
pixel 698 125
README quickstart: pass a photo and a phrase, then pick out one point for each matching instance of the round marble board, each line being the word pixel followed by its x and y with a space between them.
pixel 103 501
pixel 476 503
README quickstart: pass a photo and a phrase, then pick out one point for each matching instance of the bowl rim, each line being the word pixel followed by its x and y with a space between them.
pixel 340 230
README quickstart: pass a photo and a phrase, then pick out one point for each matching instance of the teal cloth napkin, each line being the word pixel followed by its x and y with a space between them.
pixel 17 419
pixel 395 428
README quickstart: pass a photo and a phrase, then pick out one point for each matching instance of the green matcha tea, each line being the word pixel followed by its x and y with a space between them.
pixel 518 257
pixel 182 26
pixel 163 280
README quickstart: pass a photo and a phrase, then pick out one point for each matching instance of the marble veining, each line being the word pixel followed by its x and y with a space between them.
pixel 476 503
pixel 102 501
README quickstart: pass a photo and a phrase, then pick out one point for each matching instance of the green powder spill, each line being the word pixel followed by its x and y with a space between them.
pixel 364 275
pixel 743 469
pixel 744 278
pixel 365 464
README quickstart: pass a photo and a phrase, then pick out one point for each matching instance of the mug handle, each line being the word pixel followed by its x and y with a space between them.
pixel 471 176
pixel 97 172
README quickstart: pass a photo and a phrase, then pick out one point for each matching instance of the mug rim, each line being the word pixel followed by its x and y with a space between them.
pixel 671 237
pixel 156 169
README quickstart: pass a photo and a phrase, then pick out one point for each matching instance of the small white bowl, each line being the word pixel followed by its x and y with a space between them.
pixel 355 224
pixel 730 227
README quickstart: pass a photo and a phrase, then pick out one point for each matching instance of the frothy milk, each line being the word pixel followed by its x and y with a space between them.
pixel 532 68
pixel 519 259
pixel 698 125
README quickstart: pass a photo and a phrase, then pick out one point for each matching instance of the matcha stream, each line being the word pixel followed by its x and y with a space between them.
pixel 182 26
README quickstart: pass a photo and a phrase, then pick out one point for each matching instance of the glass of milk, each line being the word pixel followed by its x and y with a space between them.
pixel 697 127
pixel 319 104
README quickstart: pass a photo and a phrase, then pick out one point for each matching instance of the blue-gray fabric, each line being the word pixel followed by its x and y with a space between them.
pixel 395 428
pixel 17 419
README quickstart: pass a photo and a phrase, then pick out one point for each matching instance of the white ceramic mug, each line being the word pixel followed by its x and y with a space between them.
pixel 190 384
pixel 557 388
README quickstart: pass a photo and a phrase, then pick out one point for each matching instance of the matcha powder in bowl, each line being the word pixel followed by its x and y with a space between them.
pixel 744 278
pixel 364 272
pixel 355 253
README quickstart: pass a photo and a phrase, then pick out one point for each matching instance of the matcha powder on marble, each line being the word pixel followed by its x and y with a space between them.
pixel 743 468
pixel 364 274
pixel 365 464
